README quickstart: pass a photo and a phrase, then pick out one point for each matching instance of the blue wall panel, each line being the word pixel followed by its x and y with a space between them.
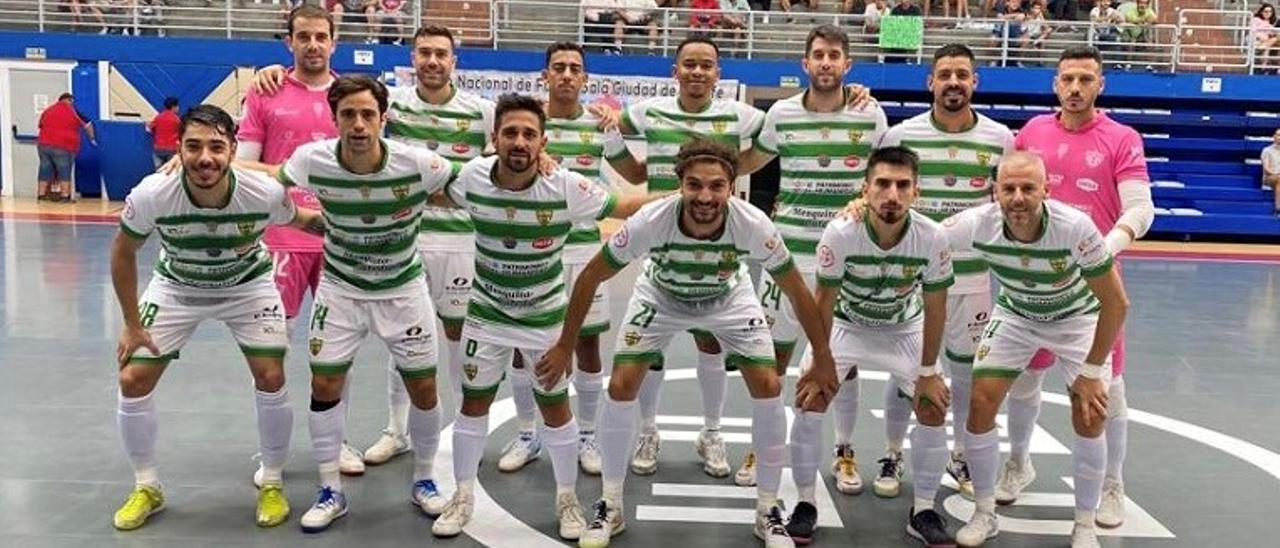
pixel 84 85
pixel 189 83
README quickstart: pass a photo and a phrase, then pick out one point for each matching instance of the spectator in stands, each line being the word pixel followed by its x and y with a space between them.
pixel 389 20
pixel 349 14
pixel 1271 168
pixel 1103 24
pixel 705 17
pixel 118 14
pixel 1139 20
pixel 601 20
pixel 902 8
pixel 1265 37
pixel 871 18
pixel 1037 30
pixel 80 7
pixel 734 21
pixel 906 7
pixel 641 17
pixel 962 8
pixel 164 132
pixel 811 4
pixel 1064 10
pixel 57 143
pixel 150 17
pixel 1011 17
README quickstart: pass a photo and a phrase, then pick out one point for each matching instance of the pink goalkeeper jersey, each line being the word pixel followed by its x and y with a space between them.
pixel 1085 166
pixel 282 122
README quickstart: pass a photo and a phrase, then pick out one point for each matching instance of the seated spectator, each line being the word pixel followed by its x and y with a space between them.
pixel 641 17
pixel 903 8
pixel 164 132
pixel 390 20
pixel 871 17
pixel 906 7
pixel 603 25
pixel 80 7
pixel 962 8
pixel 350 15
pixel 1064 10
pixel 705 17
pixel 1139 21
pixel 1271 168
pixel 1011 16
pixel 150 17
pixel 1037 30
pixel 1103 23
pixel 118 15
pixel 735 17
pixel 1264 37
pixel 812 5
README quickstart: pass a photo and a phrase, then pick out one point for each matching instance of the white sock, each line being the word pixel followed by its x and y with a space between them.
pixel 845 409
pixel 615 436
pixel 424 433
pixel 806 451
pixel 469 434
pixel 650 394
pixel 929 457
pixel 455 369
pixel 275 428
pixel 713 381
pixel 522 393
pixel 983 455
pixel 897 416
pixel 769 439
pixel 1117 429
pixel 961 388
pixel 397 401
pixel 138 430
pixel 327 428
pixel 1089 458
pixel 1023 413
pixel 562 444
pixel 589 385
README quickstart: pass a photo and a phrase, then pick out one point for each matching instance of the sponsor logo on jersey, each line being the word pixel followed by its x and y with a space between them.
pixel 586 160
pixel 631 338
pixel 543 243
pixel 544 216
pixel 855 136
pixel 1059 264
pixel 432 145
pixel 470 370
pixel 402 213
pixel 852 161
pixel 1093 158
pixel 245 227
pixel 984 158
pixel 461 148
pixel 978 182
pixel 949 179
pixel 824 160
pixel 315 344
pixel 1087 185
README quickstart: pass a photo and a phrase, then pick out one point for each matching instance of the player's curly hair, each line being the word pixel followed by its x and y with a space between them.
pixel 706 150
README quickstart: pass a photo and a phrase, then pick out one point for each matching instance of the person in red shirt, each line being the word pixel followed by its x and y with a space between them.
pixel 164 132
pixel 57 143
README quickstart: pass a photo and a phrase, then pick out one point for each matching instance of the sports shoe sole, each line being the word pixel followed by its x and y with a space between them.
pixel 911 532
pixel 311 530
pixel 526 462
pixel 1099 523
pixel 141 522
pixel 375 461
pixel 644 471
pixel 888 493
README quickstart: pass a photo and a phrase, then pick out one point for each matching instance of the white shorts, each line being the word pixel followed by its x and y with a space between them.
pixel 780 314
pixel 1010 341
pixel 967 316
pixel 253 311
pixel 339 323
pixel 894 349
pixel 653 318
pixel 449 275
pixel 484 365
pixel 597 321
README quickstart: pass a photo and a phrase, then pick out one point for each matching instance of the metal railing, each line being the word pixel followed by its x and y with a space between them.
pixel 1202 40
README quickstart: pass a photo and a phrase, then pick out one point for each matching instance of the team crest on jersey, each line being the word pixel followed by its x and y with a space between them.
pixel 729 256
pixel 909 271
pixel 463 124
pixel 435 120
pixel 1093 158
pixel 212 226
pixel 315 344
pixel 771 244
pixel 631 338
pixel 698 254
pixel 470 370
pixel 1025 260
pixel 855 136
pixel 984 158
pixel 511 212
pixel 365 191
pixel 982 352
pixel 400 191
pixel 953 152
pixel 1029 282
pixel 245 227
pixel 825 132
pixel 585 137
pixel 544 216
pixel 824 160
pixel 826 257
pixel 1059 264
pixel 719 126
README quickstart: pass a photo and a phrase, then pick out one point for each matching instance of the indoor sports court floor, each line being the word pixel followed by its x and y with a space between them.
pixel 1203 467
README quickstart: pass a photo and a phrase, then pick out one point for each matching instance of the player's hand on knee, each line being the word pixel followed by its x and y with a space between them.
pixel 269 80
pixel 553 366
pixel 131 339
pixel 818 385
pixel 931 391
pixel 1092 394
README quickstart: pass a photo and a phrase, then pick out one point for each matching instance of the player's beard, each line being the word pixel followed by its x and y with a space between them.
pixel 705 213
pixel 826 83
pixel 205 175
pixel 954 99
pixel 891 215
pixel 518 161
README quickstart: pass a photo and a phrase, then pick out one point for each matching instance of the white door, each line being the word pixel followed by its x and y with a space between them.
pixel 28 88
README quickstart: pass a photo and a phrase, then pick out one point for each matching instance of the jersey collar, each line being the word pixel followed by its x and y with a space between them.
pixel 875 238
pixel 1044 225
pixel 382 163
pixel 973 114
pixel 1098 118
pixel 231 190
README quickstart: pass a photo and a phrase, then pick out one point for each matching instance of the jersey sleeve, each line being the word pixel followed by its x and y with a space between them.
pixel 938 274
pixel 1131 159
pixel 586 200
pixel 766 246
pixel 1007 141
pixel 959 230
pixel 1089 248
pixel 436 171
pixel 634 116
pixel 138 217
pixel 253 128
pixel 767 140
pixel 633 240
pixel 283 211
pixel 831 254
pixel 296 169
pixel 752 121
pixel 892 137
pixel 882 120
pixel 487 115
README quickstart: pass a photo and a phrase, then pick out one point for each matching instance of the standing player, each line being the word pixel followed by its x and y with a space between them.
pixel 372 193
pixel 580 139
pixel 696 243
pixel 957 148
pixel 884 278
pixel 1058 292
pixel 210 217
pixel 824 144
pixel 292 110
pixel 522 219
pixel 1098 166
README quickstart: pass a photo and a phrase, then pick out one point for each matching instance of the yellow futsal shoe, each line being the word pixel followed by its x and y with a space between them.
pixel 144 501
pixel 273 508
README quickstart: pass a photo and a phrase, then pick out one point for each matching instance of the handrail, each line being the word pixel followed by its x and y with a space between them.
pixel 534 24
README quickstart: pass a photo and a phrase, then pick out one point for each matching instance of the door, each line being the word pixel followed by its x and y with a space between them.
pixel 30 89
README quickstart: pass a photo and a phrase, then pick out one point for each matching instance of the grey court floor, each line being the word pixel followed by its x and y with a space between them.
pixel 1203 468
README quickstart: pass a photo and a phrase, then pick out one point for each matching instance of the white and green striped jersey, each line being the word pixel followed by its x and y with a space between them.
pixel 955 175
pixel 579 145
pixel 1042 281
pixel 369 248
pixel 458 130
pixel 878 286
pixel 518 294
pixel 692 269
pixel 208 248
pixel 823 158
pixel 665 126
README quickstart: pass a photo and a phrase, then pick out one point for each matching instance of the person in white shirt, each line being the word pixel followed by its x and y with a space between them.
pixel 1271 168
pixel 1102 22
pixel 640 16
pixel 871 17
